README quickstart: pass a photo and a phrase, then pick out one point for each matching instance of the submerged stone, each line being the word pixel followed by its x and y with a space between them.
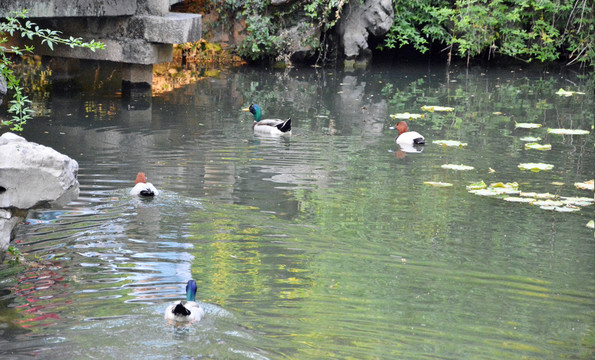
pixel 31 176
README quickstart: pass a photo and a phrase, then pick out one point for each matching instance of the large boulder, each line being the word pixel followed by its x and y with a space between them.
pixel 31 176
pixel 359 20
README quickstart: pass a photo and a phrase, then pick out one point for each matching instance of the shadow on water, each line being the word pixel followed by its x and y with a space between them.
pixel 327 244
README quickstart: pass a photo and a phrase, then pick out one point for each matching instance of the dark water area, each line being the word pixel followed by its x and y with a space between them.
pixel 327 244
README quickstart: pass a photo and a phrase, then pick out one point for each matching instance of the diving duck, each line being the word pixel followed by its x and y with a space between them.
pixel 407 138
pixel 142 187
pixel 268 126
pixel 185 311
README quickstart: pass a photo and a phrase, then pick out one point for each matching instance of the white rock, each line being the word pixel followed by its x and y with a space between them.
pixel 33 175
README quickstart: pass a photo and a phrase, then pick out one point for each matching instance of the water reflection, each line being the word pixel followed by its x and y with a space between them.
pixel 320 245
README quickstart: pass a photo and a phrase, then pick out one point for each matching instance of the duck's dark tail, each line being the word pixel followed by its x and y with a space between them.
pixel 286 126
pixel 180 310
pixel 419 141
pixel 147 193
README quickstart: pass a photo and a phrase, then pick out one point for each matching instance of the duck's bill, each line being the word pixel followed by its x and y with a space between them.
pixel 246 109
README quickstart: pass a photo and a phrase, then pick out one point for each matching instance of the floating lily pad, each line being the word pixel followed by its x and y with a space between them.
pixel 577 201
pixel 538 195
pixel 560 208
pixel 537 146
pixel 457 167
pixel 505 188
pixel 548 202
pixel 485 192
pixel 530 138
pixel 535 167
pixel 519 199
pixel 587 185
pixel 407 116
pixel 567 93
pixel 477 185
pixel 527 125
pixel 591 224
pixel 438 183
pixel 437 108
pixel 567 131
pixel 449 143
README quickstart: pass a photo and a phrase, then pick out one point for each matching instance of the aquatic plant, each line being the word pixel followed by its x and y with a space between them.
pixel 12 27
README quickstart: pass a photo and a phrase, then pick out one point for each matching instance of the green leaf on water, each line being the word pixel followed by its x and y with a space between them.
pixel 527 125
pixel 407 116
pixel 591 224
pixel 577 201
pixel 519 199
pixel 535 167
pixel 477 185
pixel 548 202
pixel 530 138
pixel 485 192
pixel 567 131
pixel 437 108
pixel 538 195
pixel 449 143
pixel 510 185
pixel 587 185
pixel 438 183
pixel 537 146
pixel 567 93
pixel 457 167
pixel 560 208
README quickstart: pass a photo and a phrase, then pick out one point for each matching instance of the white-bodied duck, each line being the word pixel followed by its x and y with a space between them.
pixel 261 126
pixel 142 187
pixel 185 311
pixel 407 138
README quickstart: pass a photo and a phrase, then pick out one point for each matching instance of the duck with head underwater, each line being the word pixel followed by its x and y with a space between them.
pixel 261 126
pixel 185 311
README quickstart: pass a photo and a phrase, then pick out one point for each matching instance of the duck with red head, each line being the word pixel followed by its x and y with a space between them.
pixel 408 139
pixel 142 187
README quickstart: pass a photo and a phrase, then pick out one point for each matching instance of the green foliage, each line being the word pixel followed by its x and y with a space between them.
pixel 261 40
pixel 544 30
pixel 20 104
pixel 14 256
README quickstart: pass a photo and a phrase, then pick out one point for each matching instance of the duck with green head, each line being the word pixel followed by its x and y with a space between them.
pixel 185 311
pixel 261 126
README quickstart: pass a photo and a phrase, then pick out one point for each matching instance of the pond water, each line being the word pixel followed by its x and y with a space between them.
pixel 327 244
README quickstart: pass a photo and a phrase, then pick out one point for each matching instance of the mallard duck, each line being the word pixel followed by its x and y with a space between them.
pixel 142 187
pixel 185 311
pixel 268 126
pixel 407 138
